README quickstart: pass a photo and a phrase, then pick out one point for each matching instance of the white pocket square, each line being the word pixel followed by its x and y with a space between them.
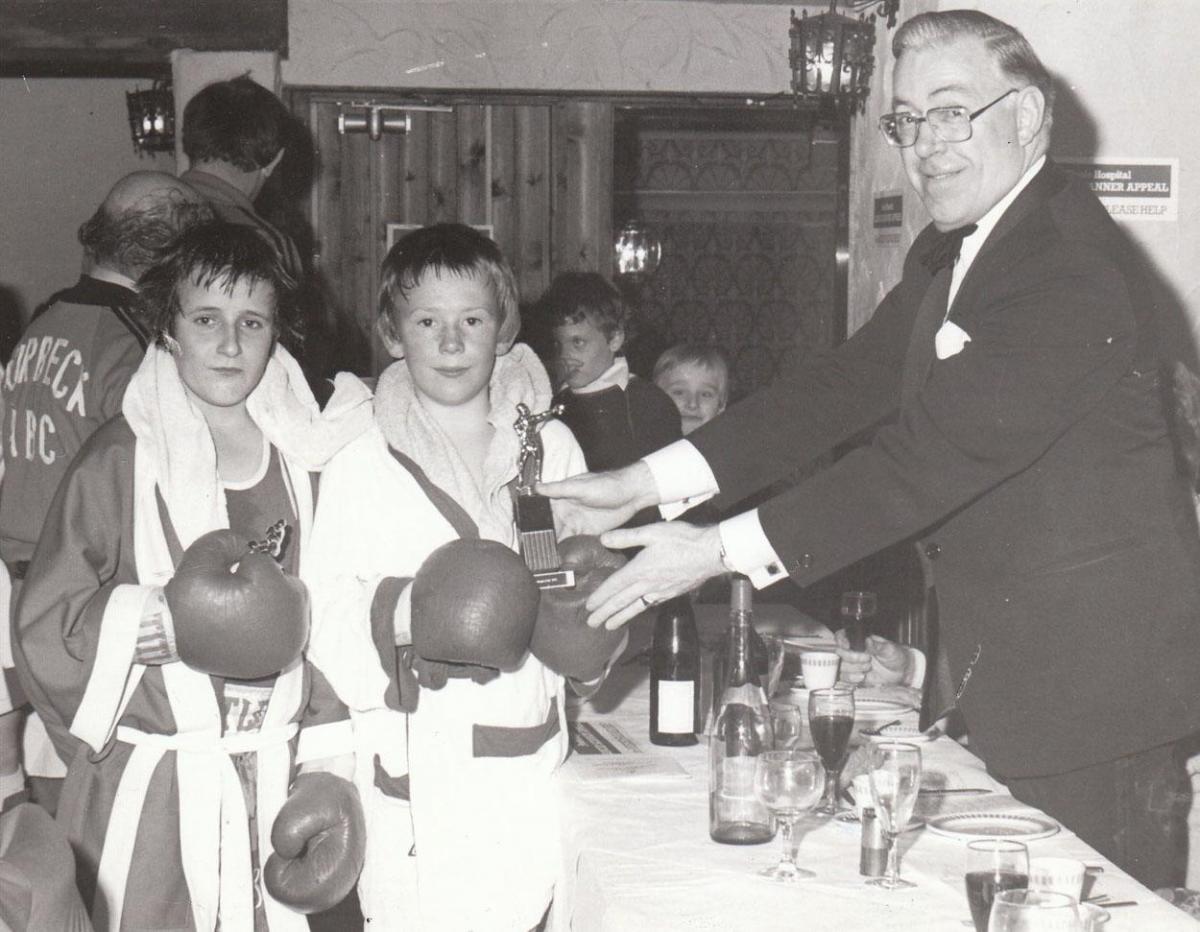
pixel 950 340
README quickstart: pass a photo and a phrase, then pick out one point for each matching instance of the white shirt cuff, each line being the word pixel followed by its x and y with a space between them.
pixel 748 551
pixel 402 619
pixel 682 477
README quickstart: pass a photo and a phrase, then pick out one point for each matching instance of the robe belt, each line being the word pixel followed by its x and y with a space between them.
pixel 214 842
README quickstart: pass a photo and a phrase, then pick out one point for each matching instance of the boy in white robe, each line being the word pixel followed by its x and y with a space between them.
pixel 458 788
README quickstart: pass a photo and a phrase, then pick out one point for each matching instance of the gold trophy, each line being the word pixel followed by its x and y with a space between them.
pixel 535 521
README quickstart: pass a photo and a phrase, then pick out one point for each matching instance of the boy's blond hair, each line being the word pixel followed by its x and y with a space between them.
pixel 712 358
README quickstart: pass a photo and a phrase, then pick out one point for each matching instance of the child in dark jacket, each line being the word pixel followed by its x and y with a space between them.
pixel 617 417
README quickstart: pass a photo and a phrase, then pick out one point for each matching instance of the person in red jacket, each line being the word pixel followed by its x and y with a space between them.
pixel 177 713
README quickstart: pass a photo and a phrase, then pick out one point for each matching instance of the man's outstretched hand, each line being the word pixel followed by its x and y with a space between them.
pixel 676 557
pixel 604 500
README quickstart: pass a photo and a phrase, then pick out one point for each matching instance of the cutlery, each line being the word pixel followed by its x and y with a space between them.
pixel 954 791
pixel 879 731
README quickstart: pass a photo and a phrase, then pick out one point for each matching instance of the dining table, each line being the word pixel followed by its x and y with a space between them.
pixel 637 853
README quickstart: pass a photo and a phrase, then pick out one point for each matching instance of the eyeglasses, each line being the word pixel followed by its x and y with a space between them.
pixel 949 124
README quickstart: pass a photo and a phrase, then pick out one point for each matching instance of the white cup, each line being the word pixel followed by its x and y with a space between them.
pixel 1057 875
pixel 1093 917
pixel 820 668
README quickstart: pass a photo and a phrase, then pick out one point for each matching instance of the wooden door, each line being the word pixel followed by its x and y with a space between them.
pixel 537 176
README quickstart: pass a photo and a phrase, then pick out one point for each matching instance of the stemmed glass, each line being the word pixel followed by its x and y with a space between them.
pixel 856 608
pixel 787 723
pixel 787 782
pixel 1034 911
pixel 993 865
pixel 831 719
pixel 895 777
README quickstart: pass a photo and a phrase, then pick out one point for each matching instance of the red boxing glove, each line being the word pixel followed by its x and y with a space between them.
pixel 562 639
pixel 474 602
pixel 241 623
pixel 319 839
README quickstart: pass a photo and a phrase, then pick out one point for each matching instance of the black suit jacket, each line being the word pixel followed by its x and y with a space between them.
pixel 1037 465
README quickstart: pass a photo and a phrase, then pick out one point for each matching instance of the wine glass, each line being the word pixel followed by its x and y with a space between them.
pixel 1034 911
pixel 857 606
pixel 831 719
pixel 993 865
pixel 787 723
pixel 787 782
pixel 895 775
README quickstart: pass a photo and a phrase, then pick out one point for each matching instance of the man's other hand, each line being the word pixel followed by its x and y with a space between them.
pixel 676 557
pixel 883 663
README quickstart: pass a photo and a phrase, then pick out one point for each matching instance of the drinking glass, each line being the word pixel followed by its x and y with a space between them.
pixel 895 773
pixel 830 720
pixel 787 782
pixel 856 607
pixel 787 723
pixel 1034 911
pixel 993 865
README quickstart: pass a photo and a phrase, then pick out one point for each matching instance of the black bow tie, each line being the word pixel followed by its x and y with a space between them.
pixel 944 249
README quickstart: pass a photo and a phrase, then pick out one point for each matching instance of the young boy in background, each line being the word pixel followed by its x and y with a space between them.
pixel 696 378
pixel 420 605
pixel 617 417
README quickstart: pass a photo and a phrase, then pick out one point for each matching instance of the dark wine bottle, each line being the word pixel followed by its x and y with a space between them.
pixel 675 675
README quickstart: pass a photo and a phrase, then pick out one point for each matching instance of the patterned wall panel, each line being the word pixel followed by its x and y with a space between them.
pixel 746 221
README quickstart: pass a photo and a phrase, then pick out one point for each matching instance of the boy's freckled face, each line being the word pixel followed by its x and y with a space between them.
pixel 584 352
pixel 446 332
pixel 697 391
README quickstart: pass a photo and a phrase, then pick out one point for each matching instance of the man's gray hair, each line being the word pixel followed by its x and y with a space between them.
pixel 1009 48
pixel 133 239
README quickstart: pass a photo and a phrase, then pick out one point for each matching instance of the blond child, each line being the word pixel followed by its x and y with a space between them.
pixel 456 760
pixel 696 378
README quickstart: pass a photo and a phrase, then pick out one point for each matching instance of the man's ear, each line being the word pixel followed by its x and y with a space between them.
pixel 1031 113
pixel 617 340
pixel 273 164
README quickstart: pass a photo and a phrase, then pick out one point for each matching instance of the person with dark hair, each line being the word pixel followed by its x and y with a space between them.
pixel 459 713
pixel 67 377
pixel 1014 370
pixel 162 648
pixel 234 135
pixel 616 416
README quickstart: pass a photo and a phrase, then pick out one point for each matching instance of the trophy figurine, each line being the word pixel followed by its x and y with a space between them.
pixel 535 521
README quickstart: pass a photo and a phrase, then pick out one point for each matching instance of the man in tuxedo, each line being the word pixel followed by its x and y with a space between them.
pixel 1025 446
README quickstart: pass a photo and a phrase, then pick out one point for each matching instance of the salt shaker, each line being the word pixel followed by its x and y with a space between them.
pixel 872 858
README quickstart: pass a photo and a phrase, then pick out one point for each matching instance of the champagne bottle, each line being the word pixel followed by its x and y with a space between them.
pixel 741 731
pixel 675 675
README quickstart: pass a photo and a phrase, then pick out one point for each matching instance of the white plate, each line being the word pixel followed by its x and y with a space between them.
pixel 871 707
pixel 1026 826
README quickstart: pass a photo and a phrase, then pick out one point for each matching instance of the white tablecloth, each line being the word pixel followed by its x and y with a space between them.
pixel 638 855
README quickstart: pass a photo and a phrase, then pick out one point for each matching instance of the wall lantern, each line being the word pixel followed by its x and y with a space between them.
pixel 152 118
pixel 832 56
pixel 638 251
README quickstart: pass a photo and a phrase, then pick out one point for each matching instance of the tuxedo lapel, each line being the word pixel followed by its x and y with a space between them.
pixel 930 316
pixel 1044 185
